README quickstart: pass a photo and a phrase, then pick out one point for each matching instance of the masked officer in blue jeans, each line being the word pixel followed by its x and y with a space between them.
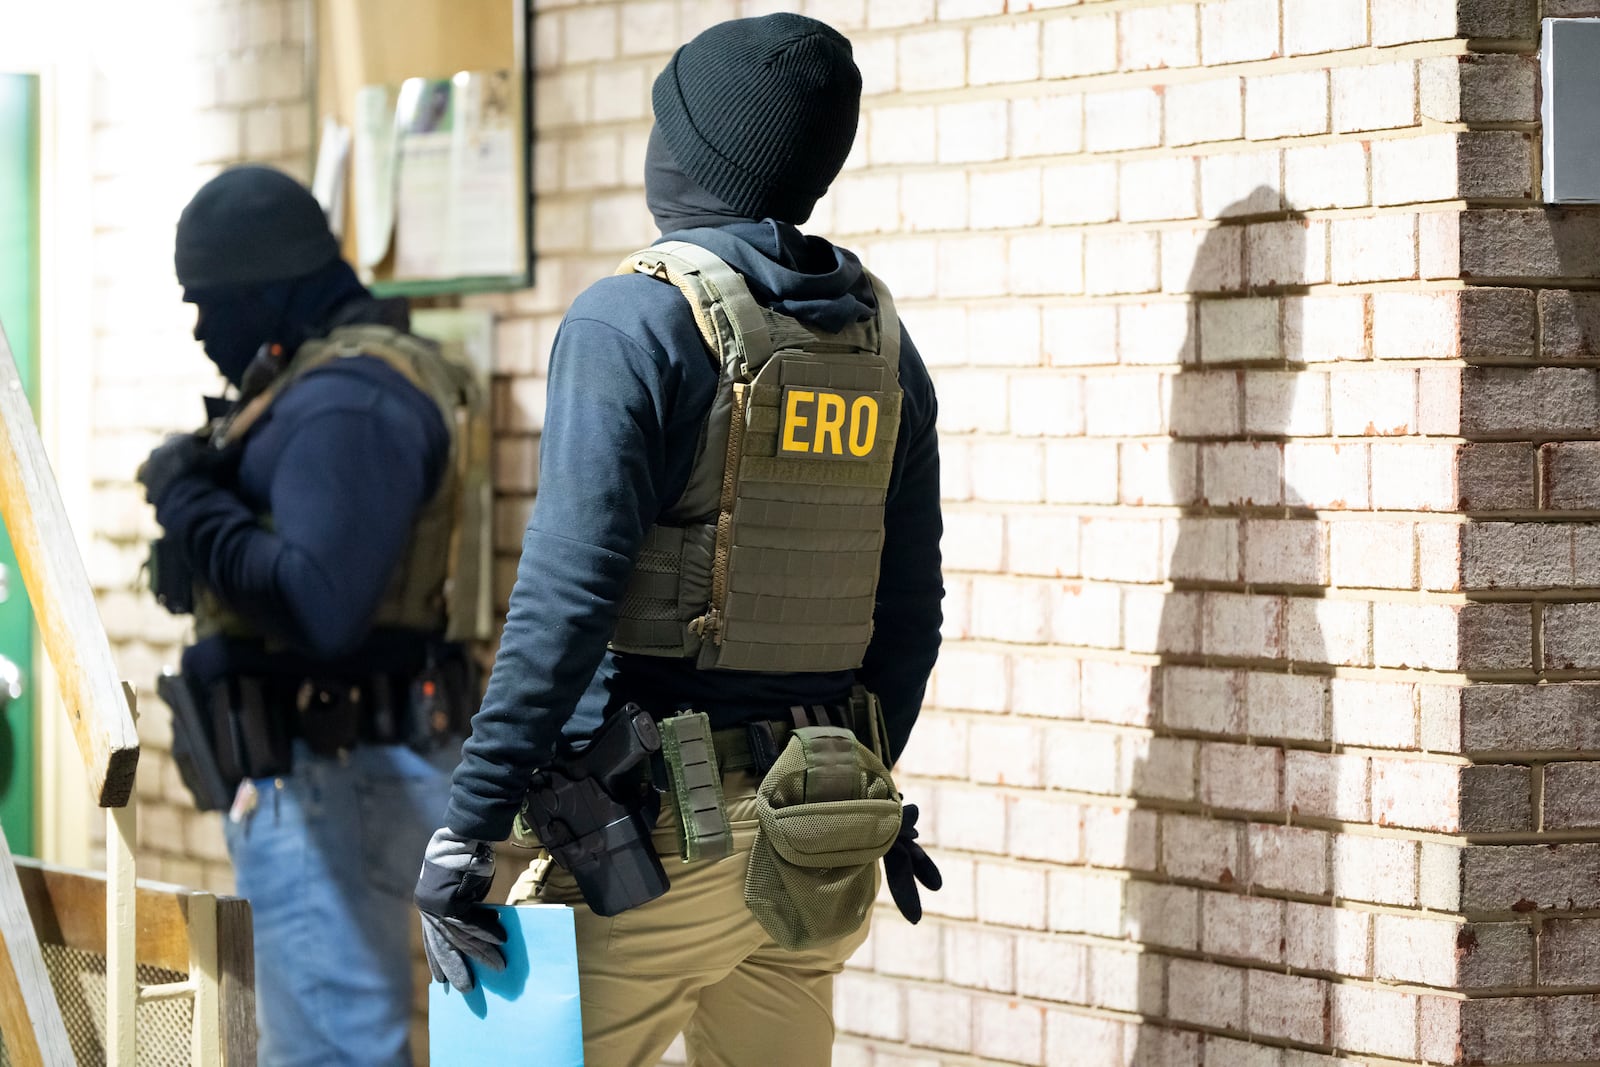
pixel 735 546
pixel 309 528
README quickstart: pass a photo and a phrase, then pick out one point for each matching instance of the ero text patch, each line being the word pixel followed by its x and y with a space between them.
pixel 828 423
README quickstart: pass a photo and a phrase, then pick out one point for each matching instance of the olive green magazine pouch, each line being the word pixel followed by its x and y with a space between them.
pixel 827 813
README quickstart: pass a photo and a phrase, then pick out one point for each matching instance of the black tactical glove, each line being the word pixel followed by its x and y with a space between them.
pixel 905 864
pixel 176 457
pixel 456 874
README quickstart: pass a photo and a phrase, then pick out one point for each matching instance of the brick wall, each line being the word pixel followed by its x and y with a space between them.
pixel 1211 760
pixel 1263 731
pixel 182 88
pixel 1527 875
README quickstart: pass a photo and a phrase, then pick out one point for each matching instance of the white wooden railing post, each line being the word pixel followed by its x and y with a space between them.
pixel 122 977
pixel 205 973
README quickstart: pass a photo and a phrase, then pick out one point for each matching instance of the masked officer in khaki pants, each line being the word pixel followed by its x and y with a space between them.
pixel 734 559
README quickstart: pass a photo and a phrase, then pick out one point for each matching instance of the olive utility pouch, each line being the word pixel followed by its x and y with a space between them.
pixel 828 811
pixel 696 780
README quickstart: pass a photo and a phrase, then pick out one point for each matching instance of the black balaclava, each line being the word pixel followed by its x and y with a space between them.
pixel 255 254
pixel 232 324
pixel 675 201
pixel 235 321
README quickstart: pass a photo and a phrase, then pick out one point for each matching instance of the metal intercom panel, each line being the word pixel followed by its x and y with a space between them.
pixel 1570 110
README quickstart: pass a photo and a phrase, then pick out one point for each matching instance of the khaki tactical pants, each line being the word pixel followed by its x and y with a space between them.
pixel 696 962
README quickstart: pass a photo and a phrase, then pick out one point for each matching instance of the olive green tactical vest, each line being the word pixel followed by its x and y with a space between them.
pixel 442 580
pixel 769 561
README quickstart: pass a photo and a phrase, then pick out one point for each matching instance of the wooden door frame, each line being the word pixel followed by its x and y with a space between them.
pixel 49 45
pixel 19 314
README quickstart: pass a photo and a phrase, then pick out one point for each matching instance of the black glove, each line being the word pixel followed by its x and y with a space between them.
pixel 455 879
pixel 176 457
pixel 905 864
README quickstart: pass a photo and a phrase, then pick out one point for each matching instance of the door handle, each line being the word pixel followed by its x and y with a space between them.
pixel 10 683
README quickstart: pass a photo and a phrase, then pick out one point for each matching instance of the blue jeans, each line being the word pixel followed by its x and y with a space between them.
pixel 328 859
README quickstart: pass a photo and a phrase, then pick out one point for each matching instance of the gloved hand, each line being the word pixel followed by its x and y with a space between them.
pixel 456 873
pixel 905 864
pixel 176 457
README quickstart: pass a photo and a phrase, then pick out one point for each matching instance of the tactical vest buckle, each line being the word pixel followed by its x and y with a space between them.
pixel 654 268
pixel 708 626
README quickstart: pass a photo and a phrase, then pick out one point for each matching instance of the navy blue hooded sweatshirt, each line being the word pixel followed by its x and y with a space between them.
pixel 343 461
pixel 629 389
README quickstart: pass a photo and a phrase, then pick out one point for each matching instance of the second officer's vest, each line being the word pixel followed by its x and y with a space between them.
pixel 442 580
pixel 769 561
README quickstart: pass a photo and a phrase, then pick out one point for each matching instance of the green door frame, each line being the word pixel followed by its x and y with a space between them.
pixel 19 311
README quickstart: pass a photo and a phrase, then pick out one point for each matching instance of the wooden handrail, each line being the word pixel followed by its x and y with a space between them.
pixel 61 596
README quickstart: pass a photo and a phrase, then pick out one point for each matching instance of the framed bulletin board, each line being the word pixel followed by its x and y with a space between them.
pixel 433 105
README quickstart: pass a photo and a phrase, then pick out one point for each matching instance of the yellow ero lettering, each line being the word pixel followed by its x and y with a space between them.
pixel 830 420
pixel 793 421
pixel 863 425
pixel 828 424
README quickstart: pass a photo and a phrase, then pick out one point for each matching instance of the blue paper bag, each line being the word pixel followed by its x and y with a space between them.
pixel 525 1014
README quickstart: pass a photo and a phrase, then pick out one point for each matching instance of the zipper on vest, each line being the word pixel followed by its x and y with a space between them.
pixel 709 625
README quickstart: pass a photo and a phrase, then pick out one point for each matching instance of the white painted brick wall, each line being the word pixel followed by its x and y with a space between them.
pixel 1078 46
pixel 1129 118
pixel 1234 31
pixel 1169 310
pixel 1381 96
pixel 1326 175
pixel 1286 105
pixel 1205 111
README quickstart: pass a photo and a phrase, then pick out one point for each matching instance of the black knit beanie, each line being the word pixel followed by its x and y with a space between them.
pixel 761 112
pixel 251 225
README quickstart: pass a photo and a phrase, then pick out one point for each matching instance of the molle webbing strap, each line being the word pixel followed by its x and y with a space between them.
pixel 806 538
pixel 769 560
pixel 831 767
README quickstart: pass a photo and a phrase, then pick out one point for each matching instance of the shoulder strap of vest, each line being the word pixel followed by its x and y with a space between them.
pixel 400 351
pixel 888 324
pixel 712 286
pixel 730 320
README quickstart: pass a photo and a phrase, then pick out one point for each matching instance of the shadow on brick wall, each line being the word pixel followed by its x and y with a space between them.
pixel 1240 688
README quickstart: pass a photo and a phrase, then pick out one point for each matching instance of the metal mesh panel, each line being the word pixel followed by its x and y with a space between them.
pixel 79 979
pixel 649 609
pixel 656 561
pixel 636 605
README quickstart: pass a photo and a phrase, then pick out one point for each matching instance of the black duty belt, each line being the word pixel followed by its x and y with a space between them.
pixel 755 746
pixel 329 715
